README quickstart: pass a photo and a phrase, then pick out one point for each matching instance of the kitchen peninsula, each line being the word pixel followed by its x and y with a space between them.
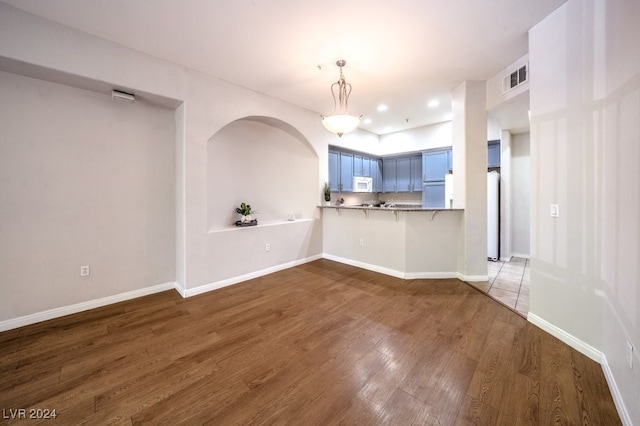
pixel 402 241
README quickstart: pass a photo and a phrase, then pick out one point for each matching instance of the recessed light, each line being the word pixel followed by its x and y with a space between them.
pixel 382 107
pixel 433 103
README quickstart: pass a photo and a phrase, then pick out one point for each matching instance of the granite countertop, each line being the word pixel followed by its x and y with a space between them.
pixel 394 207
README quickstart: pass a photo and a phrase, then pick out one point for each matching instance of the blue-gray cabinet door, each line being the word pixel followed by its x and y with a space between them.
pixel 389 168
pixel 433 195
pixel 357 165
pixel 334 171
pixel 435 164
pixel 416 173
pixel 346 172
pixel 403 174
pixel 376 174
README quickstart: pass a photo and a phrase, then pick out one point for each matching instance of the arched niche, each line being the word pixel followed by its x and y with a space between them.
pixel 264 162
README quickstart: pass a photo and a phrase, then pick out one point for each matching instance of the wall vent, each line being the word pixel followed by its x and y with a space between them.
pixel 515 78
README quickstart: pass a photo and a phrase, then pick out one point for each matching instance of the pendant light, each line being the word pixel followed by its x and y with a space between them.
pixel 341 122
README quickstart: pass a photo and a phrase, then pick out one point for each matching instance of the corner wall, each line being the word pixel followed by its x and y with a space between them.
pixel 585 128
pixel 86 180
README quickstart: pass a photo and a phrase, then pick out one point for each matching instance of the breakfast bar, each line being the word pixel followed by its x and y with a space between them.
pixel 405 241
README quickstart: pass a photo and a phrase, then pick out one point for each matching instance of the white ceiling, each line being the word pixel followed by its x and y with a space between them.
pixel 402 53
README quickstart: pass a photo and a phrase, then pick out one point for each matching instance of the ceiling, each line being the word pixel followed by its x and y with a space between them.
pixel 401 53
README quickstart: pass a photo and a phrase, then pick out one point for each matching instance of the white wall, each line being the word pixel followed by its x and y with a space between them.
pixel 51 51
pixel 520 195
pixel 426 137
pixel 585 106
pixel 86 180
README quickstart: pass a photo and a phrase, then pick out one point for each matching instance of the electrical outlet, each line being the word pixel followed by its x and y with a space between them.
pixel 84 271
pixel 361 242
pixel 267 247
pixel 630 354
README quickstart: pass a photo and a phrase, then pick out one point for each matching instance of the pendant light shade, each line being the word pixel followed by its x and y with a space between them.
pixel 340 122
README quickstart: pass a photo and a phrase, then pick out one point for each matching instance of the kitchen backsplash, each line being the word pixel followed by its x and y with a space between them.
pixel 373 197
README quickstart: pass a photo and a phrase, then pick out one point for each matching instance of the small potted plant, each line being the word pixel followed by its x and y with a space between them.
pixel 246 216
pixel 327 194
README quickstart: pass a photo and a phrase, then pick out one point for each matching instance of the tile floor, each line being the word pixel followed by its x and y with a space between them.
pixel 508 283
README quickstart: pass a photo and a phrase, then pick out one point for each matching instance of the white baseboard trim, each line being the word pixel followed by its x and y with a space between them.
pixel 189 292
pixel 429 275
pixel 592 353
pixel 83 306
pixel 472 278
pixel 520 255
pixel 391 272
pixel 180 288
pixel 615 393
pixel 567 338
pixel 363 265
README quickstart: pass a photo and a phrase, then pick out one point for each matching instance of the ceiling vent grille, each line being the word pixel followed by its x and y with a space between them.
pixel 515 78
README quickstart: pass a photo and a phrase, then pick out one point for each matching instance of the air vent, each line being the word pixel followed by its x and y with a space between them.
pixel 515 78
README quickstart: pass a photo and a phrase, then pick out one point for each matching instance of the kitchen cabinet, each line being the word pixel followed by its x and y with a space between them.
pixel 340 171
pixel 344 165
pixel 493 154
pixel 402 174
pixel 436 164
pixel 416 173
pixel 334 171
pixel 362 165
pixel 389 168
pixel 346 172
pixel 433 195
pixel 376 174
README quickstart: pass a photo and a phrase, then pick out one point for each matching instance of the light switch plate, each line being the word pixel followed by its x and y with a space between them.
pixel 555 210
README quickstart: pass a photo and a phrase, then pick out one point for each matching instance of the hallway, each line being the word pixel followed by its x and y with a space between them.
pixel 508 283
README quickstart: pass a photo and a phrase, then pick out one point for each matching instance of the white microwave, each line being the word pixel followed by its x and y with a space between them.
pixel 362 184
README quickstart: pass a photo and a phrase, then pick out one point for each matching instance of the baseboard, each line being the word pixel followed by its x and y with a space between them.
pixel 429 275
pixel 569 339
pixel 520 255
pixel 240 278
pixel 80 307
pixel 592 353
pixel 180 288
pixel 472 278
pixel 391 272
pixel 363 265
pixel 615 393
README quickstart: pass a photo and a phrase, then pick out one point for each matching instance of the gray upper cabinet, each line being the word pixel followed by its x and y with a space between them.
pixel 344 165
pixel 402 174
pixel 389 168
pixel 376 174
pixel 334 171
pixel 346 172
pixel 436 164
pixel 416 173
pixel 362 165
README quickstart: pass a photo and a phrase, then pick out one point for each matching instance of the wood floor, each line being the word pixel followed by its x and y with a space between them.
pixel 318 344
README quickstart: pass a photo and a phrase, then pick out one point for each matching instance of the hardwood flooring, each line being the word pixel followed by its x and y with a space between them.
pixel 318 344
